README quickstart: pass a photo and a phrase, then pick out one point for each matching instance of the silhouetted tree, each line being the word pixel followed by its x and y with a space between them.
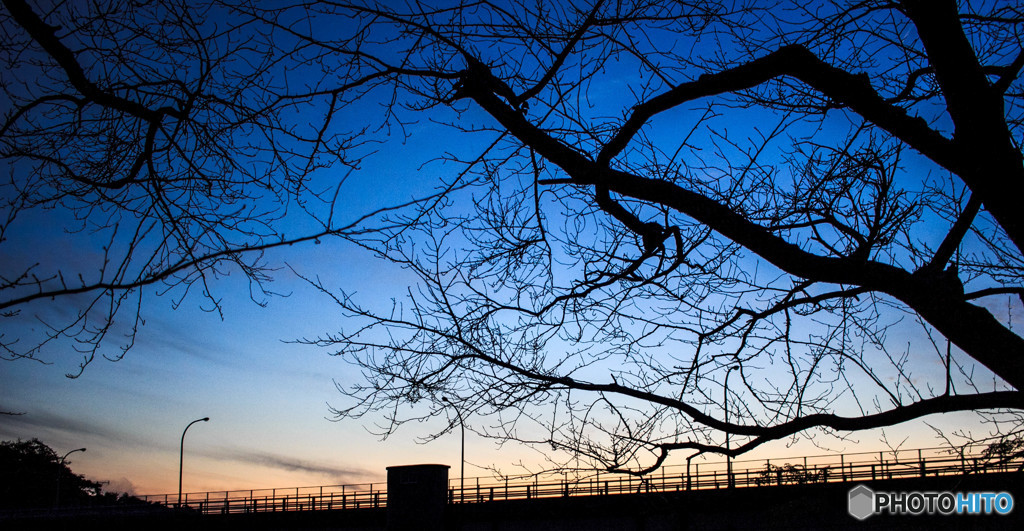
pixel 143 153
pixel 32 472
pixel 818 199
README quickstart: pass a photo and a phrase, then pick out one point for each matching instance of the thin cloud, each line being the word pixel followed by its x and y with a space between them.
pixel 290 464
pixel 45 424
pixel 44 420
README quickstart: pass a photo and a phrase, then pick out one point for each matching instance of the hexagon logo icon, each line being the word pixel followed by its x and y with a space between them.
pixel 861 502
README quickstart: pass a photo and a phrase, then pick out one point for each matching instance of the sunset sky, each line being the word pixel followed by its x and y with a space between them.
pixel 268 398
pixel 266 401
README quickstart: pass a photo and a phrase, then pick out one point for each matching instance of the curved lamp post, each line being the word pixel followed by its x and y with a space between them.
pixel 181 456
pixel 60 469
pixel 462 470
pixel 725 405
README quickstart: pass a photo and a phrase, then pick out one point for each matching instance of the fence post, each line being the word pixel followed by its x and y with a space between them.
pixel 842 467
pixel 689 483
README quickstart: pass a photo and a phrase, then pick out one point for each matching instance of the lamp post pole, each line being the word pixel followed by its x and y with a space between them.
pixel 181 455
pixel 725 405
pixel 60 470
pixel 462 469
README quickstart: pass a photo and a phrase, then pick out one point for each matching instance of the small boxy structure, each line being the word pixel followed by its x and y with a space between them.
pixel 417 496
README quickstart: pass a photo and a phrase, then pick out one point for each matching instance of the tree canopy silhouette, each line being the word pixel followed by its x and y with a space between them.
pixel 820 200
pixel 32 474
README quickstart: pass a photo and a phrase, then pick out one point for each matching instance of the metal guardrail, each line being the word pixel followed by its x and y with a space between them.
pixel 319 498
pixel 695 476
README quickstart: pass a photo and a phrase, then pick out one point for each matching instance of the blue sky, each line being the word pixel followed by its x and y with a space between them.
pixel 268 398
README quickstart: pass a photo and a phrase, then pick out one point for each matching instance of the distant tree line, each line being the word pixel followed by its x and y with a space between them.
pixel 33 474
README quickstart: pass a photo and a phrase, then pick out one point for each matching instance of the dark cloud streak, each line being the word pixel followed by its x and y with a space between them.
pixel 337 474
pixel 42 424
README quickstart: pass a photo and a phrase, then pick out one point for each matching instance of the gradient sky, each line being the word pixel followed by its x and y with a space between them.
pixel 267 399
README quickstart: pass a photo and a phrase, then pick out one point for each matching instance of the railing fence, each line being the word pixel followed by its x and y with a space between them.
pixel 697 476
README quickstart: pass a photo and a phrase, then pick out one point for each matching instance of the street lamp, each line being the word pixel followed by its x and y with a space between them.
pixel 462 470
pixel 725 405
pixel 60 470
pixel 181 456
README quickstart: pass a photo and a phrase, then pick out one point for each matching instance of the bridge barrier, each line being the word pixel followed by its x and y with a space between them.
pixel 700 475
